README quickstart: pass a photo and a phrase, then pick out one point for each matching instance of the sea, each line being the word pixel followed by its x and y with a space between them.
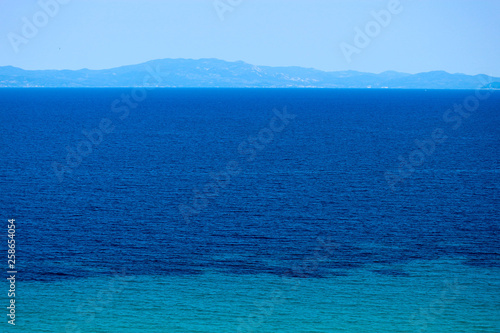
pixel 250 210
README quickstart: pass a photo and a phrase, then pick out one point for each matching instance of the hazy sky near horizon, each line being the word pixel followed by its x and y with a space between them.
pixel 458 36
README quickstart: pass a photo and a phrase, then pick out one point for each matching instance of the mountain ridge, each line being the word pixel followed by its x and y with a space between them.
pixel 216 73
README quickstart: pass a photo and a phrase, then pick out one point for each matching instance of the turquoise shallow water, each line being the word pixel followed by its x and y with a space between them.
pixel 214 231
pixel 437 296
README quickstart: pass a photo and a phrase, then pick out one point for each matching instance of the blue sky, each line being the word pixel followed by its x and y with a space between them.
pixel 458 36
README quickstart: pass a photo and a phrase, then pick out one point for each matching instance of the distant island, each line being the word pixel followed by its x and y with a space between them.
pixel 214 73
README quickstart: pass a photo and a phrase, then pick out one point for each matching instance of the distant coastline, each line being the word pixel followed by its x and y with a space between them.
pixel 214 73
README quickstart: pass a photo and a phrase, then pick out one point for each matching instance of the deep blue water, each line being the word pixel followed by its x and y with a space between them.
pixel 310 199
